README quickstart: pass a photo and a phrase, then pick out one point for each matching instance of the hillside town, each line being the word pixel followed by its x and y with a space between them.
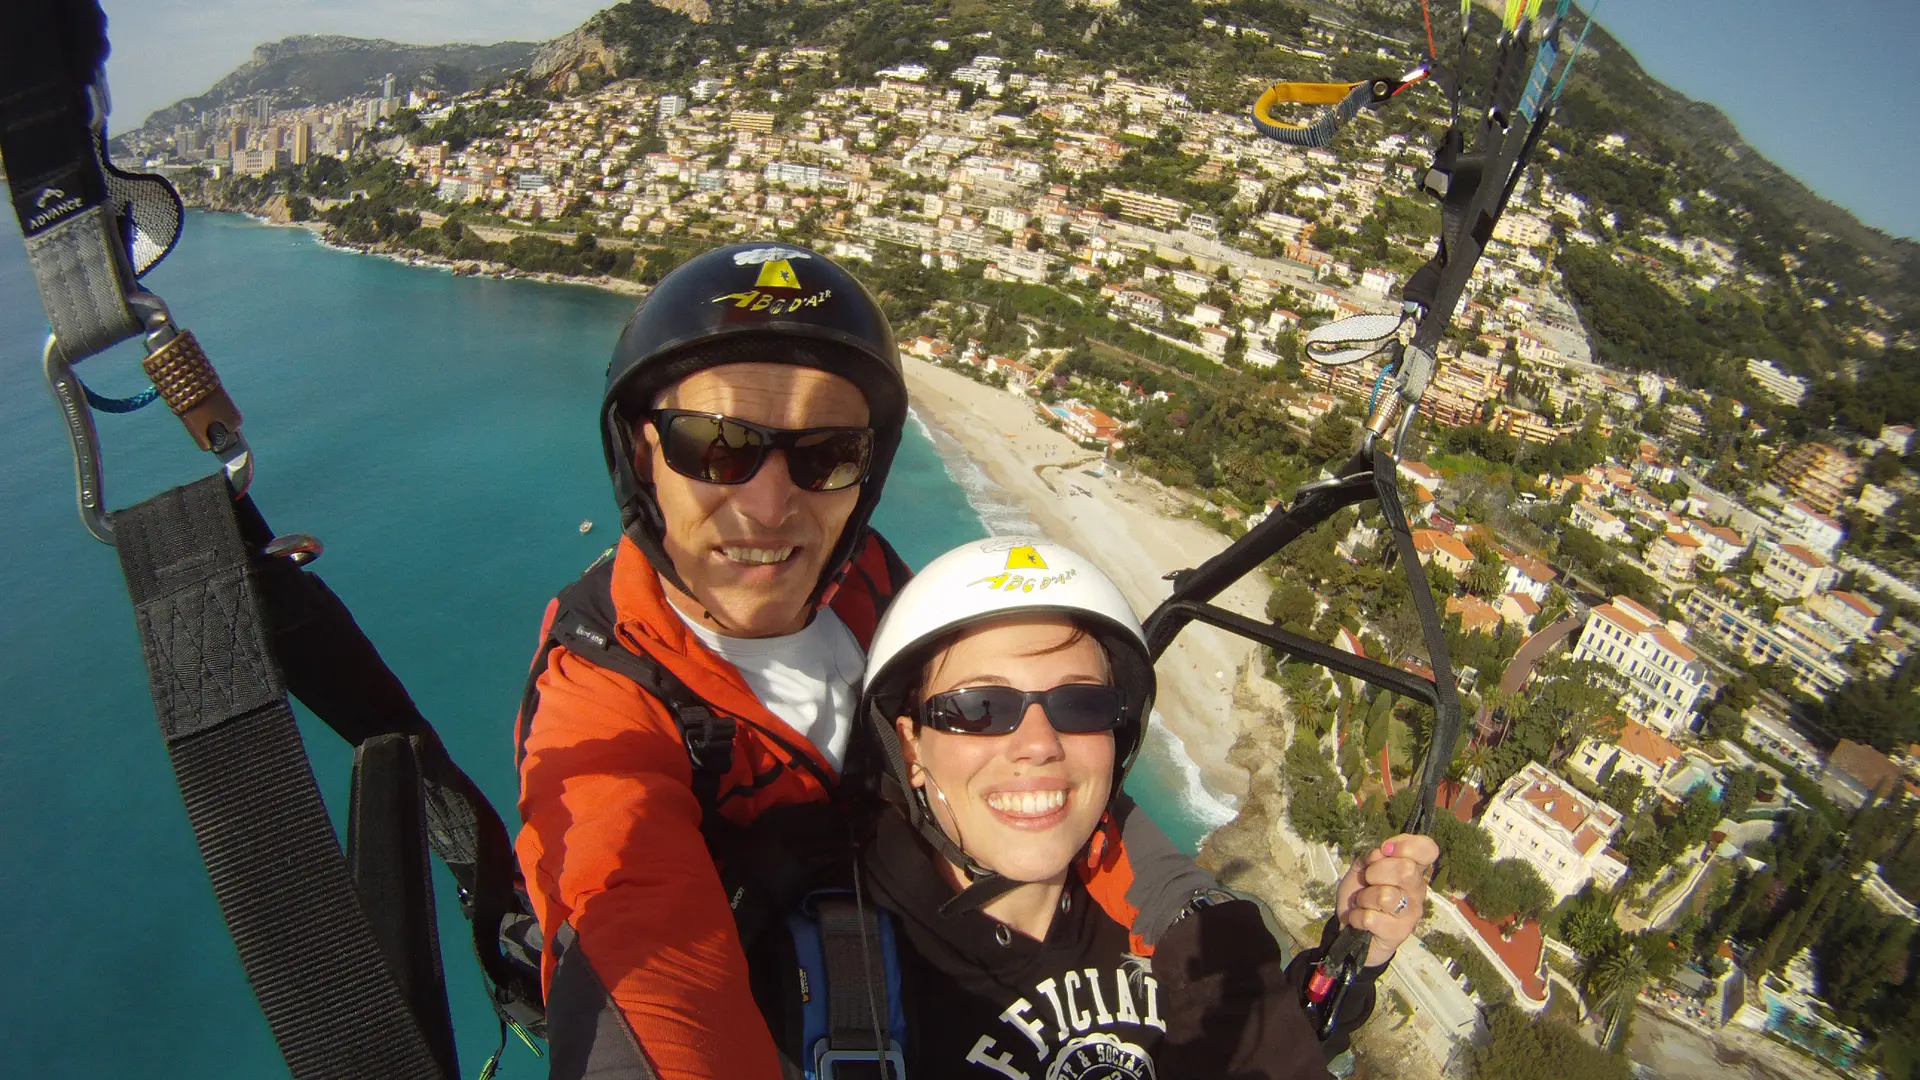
pixel 1673 621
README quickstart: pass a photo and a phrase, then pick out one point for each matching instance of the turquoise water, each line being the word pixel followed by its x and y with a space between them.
pixel 437 433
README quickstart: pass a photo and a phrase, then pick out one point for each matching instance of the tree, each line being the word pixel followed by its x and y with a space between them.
pixel 1293 605
pixel 1488 572
pixel 1522 1047
pixel 1614 981
pixel 1623 790
pixel 1737 798
pixel 1510 891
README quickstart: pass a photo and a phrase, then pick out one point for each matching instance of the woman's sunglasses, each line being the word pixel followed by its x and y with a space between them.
pixel 1072 709
pixel 721 450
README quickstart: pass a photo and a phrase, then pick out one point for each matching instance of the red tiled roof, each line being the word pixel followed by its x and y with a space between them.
pixel 1639 739
pixel 1526 603
pixel 1461 800
pixel 1864 607
pixel 1667 641
pixel 1563 806
pixel 1636 609
pixel 1532 567
pixel 1620 618
pixel 1873 769
pixel 1476 615
pixel 1435 540
pixel 1804 555
pixel 1522 956
pixel 1681 540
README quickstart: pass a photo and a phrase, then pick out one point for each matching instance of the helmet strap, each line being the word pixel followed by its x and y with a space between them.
pixel 984 890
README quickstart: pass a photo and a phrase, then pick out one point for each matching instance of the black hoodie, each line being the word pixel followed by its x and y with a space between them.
pixel 983 1001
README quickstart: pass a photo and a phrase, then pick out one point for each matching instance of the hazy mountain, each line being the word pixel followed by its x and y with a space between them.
pixel 314 69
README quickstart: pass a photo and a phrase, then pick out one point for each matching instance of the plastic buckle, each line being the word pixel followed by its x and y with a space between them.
pixel 706 732
pixel 888 1064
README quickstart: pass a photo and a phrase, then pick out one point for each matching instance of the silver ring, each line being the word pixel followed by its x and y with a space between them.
pixel 1403 904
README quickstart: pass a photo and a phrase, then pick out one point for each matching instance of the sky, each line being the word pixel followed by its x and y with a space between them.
pixel 1821 88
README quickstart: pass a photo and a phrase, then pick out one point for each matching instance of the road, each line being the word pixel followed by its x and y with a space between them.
pixel 1531 652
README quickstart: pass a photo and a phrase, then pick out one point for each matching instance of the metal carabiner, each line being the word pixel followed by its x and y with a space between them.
pixel 72 399
pixel 229 446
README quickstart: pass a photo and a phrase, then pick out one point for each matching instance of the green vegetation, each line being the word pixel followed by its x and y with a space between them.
pixel 1481 977
pixel 1522 1047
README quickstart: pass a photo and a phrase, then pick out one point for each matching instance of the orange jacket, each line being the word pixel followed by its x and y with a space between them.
pixel 617 870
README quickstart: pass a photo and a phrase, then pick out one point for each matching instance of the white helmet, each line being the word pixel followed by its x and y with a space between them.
pixel 989 579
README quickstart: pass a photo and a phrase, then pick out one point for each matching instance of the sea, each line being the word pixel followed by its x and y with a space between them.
pixel 438 435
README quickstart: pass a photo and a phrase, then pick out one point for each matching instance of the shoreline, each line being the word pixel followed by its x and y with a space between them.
pixel 414 257
pixel 1128 527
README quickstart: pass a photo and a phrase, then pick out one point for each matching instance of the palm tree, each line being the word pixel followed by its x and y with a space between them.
pixel 1614 982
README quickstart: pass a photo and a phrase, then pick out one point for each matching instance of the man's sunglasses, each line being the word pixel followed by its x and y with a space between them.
pixel 721 450
pixel 1072 709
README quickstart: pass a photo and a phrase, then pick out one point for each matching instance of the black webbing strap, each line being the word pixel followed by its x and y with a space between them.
pixel 392 866
pixel 856 976
pixel 584 623
pixel 1446 710
pixel 329 663
pixel 270 849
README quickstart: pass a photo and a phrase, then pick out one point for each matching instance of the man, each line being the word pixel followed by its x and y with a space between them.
pixel 753 407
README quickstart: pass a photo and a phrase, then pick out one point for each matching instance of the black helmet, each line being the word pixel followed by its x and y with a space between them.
pixel 754 302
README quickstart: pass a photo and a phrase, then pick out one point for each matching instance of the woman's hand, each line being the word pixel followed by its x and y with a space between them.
pixel 1385 892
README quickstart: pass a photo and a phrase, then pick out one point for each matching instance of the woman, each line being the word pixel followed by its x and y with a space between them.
pixel 1009 686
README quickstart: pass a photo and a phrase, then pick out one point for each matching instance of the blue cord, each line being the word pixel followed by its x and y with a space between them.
pixel 120 405
pixel 1382 377
pixel 1575 54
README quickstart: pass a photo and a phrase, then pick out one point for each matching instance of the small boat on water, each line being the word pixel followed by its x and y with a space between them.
pixel 586 527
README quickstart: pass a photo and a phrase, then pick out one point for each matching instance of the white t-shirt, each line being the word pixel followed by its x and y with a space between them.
pixel 810 679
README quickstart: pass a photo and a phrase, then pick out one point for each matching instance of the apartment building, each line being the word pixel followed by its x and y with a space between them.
pixel 1662 680
pixel 1747 633
pixel 1791 572
pixel 1819 532
pixel 1720 546
pixel 1527 575
pixel 1852 614
pixel 1822 475
pixel 1777 383
pixel 1673 555
pixel 1599 522
pixel 1545 822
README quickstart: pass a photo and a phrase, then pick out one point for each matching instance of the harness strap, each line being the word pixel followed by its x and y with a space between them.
pixel 276 866
pixel 90 229
pixel 1446 712
pixel 584 623
pixel 334 669
pixel 847 953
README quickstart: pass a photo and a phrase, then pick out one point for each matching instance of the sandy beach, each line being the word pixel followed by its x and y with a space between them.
pixel 1123 525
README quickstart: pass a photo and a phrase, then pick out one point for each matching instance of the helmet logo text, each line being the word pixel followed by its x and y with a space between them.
pixel 755 300
pixel 1013 582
